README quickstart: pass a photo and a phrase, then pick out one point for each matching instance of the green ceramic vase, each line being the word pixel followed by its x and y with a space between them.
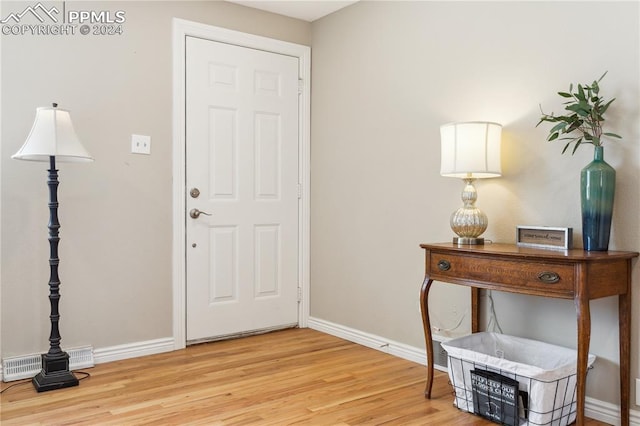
pixel 597 189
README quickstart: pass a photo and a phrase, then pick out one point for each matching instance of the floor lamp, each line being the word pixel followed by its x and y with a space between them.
pixel 52 138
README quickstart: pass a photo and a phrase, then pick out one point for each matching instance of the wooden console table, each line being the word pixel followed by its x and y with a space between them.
pixel 567 274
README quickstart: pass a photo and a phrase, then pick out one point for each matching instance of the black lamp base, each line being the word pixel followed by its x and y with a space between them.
pixel 55 373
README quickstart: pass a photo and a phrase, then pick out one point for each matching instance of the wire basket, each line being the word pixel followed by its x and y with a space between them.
pixel 545 389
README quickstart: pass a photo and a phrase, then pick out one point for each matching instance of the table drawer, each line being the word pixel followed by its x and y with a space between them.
pixel 503 273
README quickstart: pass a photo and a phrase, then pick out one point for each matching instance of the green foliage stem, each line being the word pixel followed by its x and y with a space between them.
pixel 583 121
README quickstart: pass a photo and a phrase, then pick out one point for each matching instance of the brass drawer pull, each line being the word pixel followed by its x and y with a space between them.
pixel 548 277
pixel 444 265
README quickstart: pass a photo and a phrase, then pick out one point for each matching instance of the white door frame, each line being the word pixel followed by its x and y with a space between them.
pixel 182 29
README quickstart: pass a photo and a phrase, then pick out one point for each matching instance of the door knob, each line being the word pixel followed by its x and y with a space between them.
pixel 195 213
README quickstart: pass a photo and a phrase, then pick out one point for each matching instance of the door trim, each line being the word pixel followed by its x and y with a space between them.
pixel 182 29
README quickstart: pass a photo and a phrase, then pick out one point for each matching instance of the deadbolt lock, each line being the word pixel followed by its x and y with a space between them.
pixel 195 192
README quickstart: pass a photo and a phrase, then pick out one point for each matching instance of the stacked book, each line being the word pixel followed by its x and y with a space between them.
pixel 497 397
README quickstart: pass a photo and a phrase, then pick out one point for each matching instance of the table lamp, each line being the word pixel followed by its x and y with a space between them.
pixel 52 138
pixel 470 151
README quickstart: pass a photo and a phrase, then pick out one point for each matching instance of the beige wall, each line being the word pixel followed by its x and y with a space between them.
pixel 115 213
pixel 386 75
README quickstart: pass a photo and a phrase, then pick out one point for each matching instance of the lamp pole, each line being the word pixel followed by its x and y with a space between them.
pixel 55 372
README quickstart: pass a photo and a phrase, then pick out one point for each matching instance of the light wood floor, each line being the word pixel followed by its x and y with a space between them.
pixel 297 376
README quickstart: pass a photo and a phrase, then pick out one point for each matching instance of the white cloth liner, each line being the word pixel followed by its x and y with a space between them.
pixel 552 368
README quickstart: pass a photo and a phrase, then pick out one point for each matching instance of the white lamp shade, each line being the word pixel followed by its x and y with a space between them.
pixel 470 149
pixel 52 134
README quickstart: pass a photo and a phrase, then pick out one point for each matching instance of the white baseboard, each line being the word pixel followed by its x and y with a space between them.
pixel 608 413
pixel 594 408
pixel 126 351
pixel 133 350
pixel 391 347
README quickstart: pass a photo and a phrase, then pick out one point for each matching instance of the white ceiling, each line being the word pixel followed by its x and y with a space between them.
pixel 307 10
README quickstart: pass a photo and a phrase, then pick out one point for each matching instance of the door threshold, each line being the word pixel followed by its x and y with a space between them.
pixel 241 334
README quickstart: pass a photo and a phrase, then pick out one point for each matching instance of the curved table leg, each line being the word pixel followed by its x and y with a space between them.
pixel 584 338
pixel 424 308
pixel 624 312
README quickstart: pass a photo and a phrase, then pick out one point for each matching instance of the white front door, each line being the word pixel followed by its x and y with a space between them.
pixel 241 169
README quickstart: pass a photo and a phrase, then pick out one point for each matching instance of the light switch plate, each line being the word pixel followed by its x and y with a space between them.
pixel 637 391
pixel 141 144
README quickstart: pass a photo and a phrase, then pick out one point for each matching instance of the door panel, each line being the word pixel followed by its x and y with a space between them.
pixel 242 155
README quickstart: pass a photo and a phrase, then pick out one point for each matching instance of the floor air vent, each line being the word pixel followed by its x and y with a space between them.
pixel 26 366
